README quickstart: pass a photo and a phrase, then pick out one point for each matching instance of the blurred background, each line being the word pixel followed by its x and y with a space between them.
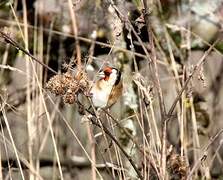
pixel 157 45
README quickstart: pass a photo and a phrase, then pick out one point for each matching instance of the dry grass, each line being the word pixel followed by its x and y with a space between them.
pixel 158 130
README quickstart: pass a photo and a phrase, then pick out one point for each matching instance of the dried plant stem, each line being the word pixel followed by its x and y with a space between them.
pixel 1 176
pixel 117 152
pixel 74 135
pixel 126 20
pixel 152 163
pixel 17 21
pixel 104 128
pixel 4 140
pixel 52 136
pixel 204 154
pixel 38 50
pixel 18 47
pixel 96 121
pixel 109 151
pixel 161 104
pixel 43 102
pixel 23 162
pixel 75 31
pixel 159 90
pixel 183 122
pixel 13 143
pixel 86 40
pixel 92 146
pixel 196 67
pixel 30 127
pixel 4 59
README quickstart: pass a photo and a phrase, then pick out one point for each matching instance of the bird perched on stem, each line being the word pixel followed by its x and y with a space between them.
pixel 106 91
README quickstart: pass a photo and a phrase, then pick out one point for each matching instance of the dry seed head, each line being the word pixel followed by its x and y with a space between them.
pixel 69 98
pixel 56 85
pixel 69 86
pixel 177 166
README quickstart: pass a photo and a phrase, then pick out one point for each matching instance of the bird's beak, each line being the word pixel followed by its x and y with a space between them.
pixel 101 74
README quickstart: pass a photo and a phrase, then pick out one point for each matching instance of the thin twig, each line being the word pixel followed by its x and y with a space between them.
pixel 21 157
pixel 67 163
pixel 126 20
pixel 94 120
pixel 159 90
pixel 9 40
pixel 13 143
pixel 75 30
pixel 86 40
pixel 102 126
pixel 152 163
pixel 204 154
pixel 196 67
pixel 92 145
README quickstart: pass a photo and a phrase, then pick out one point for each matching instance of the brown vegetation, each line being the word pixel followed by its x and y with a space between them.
pixel 168 122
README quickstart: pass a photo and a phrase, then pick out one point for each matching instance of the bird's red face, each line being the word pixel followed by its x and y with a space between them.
pixel 106 73
pixel 108 88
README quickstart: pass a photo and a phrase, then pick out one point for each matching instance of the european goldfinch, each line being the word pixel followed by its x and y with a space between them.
pixel 106 91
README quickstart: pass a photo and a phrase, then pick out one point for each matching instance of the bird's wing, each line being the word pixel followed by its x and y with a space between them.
pixel 116 92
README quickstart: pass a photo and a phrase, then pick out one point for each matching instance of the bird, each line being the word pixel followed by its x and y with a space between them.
pixel 108 88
